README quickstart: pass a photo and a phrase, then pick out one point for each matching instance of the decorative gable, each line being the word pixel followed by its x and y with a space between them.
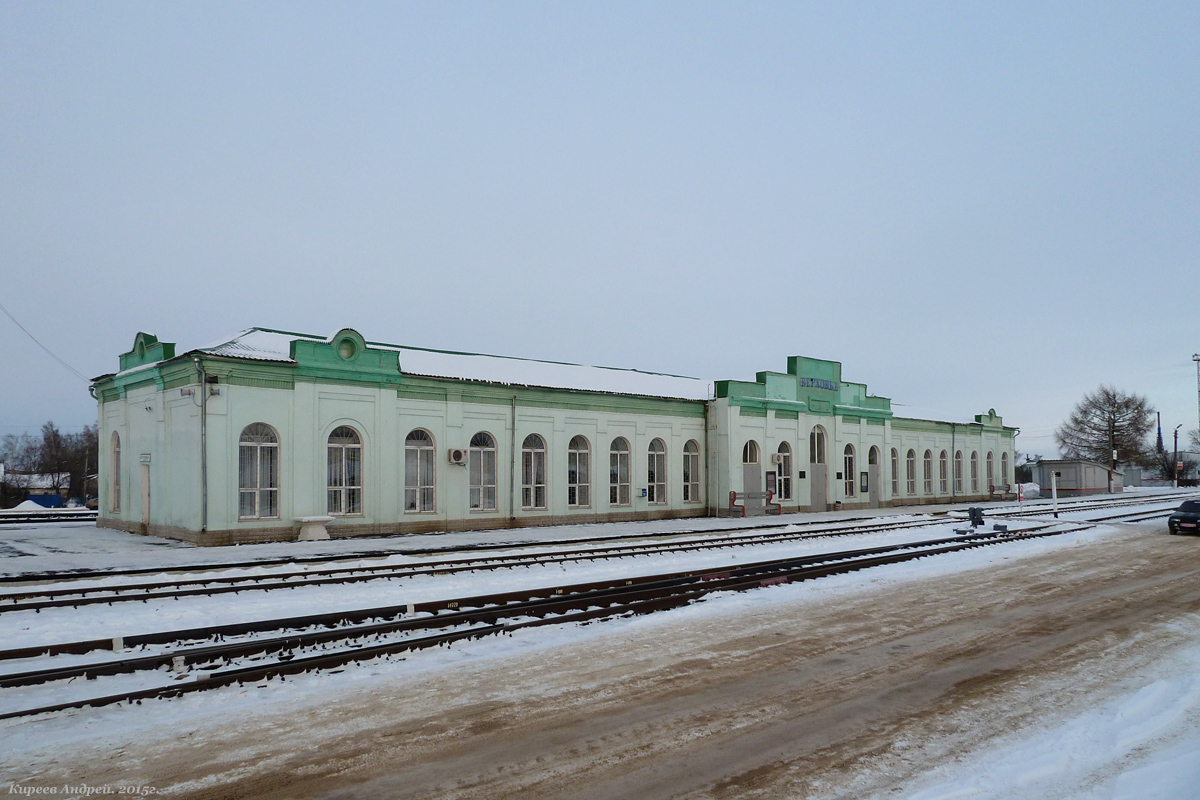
pixel 147 349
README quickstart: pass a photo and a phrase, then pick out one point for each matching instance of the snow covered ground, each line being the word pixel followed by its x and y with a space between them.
pixel 1140 741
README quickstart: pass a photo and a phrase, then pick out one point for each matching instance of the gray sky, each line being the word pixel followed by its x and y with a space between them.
pixel 968 205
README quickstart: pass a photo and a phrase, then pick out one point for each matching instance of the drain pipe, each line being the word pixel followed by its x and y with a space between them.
pixel 709 507
pixel 953 459
pixel 512 468
pixel 203 446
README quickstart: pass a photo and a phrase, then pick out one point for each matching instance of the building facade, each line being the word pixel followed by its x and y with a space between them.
pixel 240 441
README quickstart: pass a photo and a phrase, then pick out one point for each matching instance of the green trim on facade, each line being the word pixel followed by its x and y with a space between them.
pixel 811 385
pixel 935 426
pixel 147 349
pixel 436 389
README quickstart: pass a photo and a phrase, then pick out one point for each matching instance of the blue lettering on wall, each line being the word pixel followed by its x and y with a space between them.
pixel 819 383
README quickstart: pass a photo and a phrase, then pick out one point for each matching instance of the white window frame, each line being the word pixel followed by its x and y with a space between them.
pixel 783 481
pixel 481 472
pixel 618 472
pixel 944 472
pixel 1004 469
pixel 420 472
pixel 927 472
pixel 895 472
pixel 114 485
pixel 991 471
pixel 656 473
pixel 958 472
pixel 849 477
pixel 816 445
pixel 691 472
pixel 533 473
pixel 974 471
pixel 910 468
pixel 751 453
pixel 349 494
pixel 258 455
pixel 579 472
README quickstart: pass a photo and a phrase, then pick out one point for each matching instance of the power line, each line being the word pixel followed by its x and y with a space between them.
pixel 74 371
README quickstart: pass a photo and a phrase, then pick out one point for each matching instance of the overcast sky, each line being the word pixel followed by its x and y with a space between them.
pixel 968 205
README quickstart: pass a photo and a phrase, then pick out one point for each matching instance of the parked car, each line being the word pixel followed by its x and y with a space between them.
pixel 1186 518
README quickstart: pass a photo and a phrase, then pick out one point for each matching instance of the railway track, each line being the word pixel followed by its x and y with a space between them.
pixel 380 553
pixel 63 515
pixel 34 600
pixel 200 659
pixel 1042 507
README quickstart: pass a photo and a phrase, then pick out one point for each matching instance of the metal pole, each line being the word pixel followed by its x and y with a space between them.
pixel 1175 458
pixel 1196 358
pixel 1113 450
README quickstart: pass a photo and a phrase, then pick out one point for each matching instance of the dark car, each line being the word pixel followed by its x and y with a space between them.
pixel 1186 518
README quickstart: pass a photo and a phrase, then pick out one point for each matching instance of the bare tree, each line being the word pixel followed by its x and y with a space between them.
pixel 1106 420
pixel 1165 467
pixel 66 459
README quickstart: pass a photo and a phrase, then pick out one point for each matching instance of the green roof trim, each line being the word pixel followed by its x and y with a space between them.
pixel 810 385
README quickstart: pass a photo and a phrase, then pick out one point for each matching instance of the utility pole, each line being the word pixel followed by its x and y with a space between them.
pixel 1196 358
pixel 1175 459
pixel 1112 464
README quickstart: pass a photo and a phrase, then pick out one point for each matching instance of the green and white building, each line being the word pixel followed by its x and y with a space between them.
pixel 268 432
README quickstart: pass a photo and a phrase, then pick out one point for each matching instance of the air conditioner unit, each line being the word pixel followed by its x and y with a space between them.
pixel 776 458
pixel 458 456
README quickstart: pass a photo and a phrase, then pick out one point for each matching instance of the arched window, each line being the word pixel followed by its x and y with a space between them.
pixel 958 472
pixel 848 465
pixel 910 466
pixel 481 463
pixel 579 473
pixel 656 472
pixel 691 472
pixel 618 473
pixel 1004 469
pixel 895 473
pixel 258 472
pixel 418 472
pixel 344 471
pixel 991 472
pixel 750 452
pixel 928 472
pixel 816 446
pixel 114 475
pixel 974 471
pixel 533 472
pixel 784 471
pixel 943 473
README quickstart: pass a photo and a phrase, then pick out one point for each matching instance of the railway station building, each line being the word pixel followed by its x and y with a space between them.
pixel 269 433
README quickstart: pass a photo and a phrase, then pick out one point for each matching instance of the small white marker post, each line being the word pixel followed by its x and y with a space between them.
pixel 1054 491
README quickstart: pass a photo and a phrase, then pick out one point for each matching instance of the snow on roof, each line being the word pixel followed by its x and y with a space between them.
pixel 265 345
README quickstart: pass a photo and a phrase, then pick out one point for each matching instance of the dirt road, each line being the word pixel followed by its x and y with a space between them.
pixel 836 697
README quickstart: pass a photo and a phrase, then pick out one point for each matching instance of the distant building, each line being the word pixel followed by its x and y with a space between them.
pixel 242 440
pixel 1076 477
pixel 38 483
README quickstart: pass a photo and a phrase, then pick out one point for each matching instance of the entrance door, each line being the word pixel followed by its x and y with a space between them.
pixel 818 471
pixel 751 468
pixel 874 476
pixel 146 495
